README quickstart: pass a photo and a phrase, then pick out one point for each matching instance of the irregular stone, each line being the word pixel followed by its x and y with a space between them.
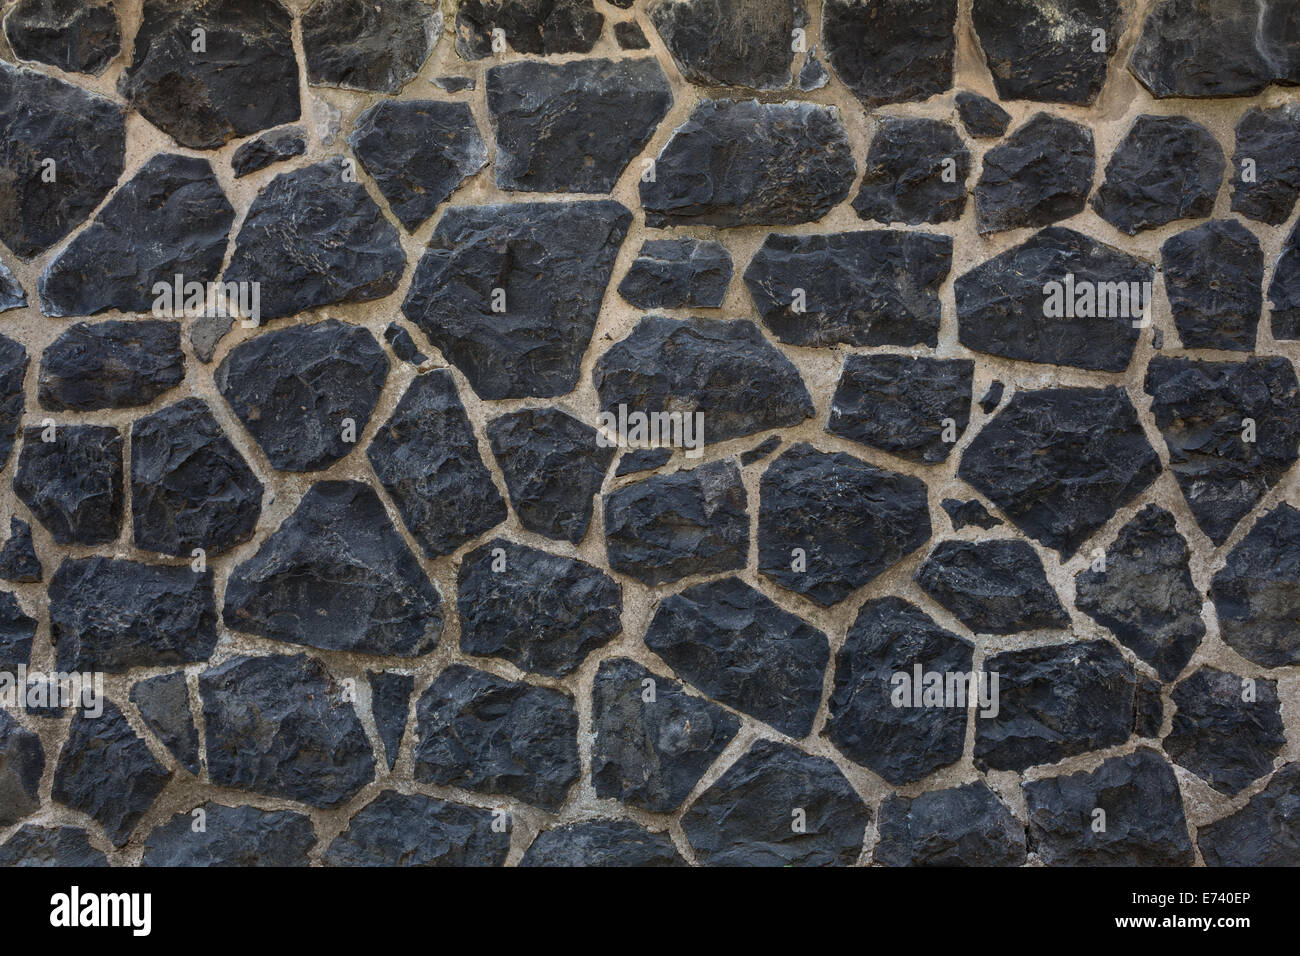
pixel 1258 587
pixel 553 465
pixel 114 364
pixel 600 843
pixel 232 836
pixel 73 484
pixel 895 736
pixel 722 368
pixel 403 346
pixel 993 587
pixel 34 845
pixel 13 370
pixel 1041 174
pixel 992 398
pixel 455 84
pixel 282 726
pixel 275 147
pixel 642 459
pixel 418 152
pixel 297 390
pixel 961 826
pixel 336 575
pixel 22 761
pixel 744 819
pixel 736 645
pixel 529 26
pixel 913 407
pixel 1213 276
pixel 1264 832
pixel 760 451
pixel 206 333
pixel 482 733
pixel 964 513
pixel 1284 290
pixel 890 52
pixel 75 35
pixel 245 80
pixel 1059 462
pixel 854 288
pixel 916 172
pixel 731 42
pixel 828 523
pixel 401 829
pixel 12 295
pixel 1269 141
pixel 164 703
pixel 744 163
pixel 1203 410
pixel 314 237
pixel 629 35
pixel 18 560
pixel 982 118
pixel 1227 730
pixel 675 273
pixel 370 45
pixel 42 119
pixel 668 527
pixel 1150 708
pixel 426 456
pixel 390 703
pixel 17 631
pixel 812 75
pixel 545 264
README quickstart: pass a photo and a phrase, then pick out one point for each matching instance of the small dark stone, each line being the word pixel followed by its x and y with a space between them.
pixel 1256 592
pixel 22 761
pixel 1149 707
pixel 370 45
pixel 602 843
pixel 403 346
pixel 993 587
pixel 400 829
pixel 231 836
pixel 17 631
pixel 1284 290
pixel 916 172
pixel 1264 832
pixel 890 52
pixel 675 273
pixel 760 451
pixel 18 560
pixel 992 398
pixel 1213 276
pixel 34 845
pixel 964 513
pixel 982 118
pixel 206 333
pixel 812 75
pixel 529 26
pixel 1226 731
pixel 629 35
pixel 12 295
pixel 1041 174
pixel 1268 148
pixel 164 703
pixel 642 459
pixel 962 826
pixel 268 150
pixel 77 36
pixel 73 484
pixel 455 84
pixel 390 703
pixel 731 42
pixel 114 364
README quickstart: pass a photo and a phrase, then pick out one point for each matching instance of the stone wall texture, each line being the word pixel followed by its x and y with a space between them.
pixel 990 308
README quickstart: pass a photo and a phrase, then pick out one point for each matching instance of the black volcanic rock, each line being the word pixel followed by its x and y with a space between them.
pixel 231 836
pixel 674 273
pixel 1284 290
pixel 1224 738
pixel 888 52
pixel 18 560
pixel 13 370
pixel 77 36
pixel 17 631
pixel 528 26
pixel 630 36
pixel 1256 591
pixel 164 703
pixel 1213 277
pixel 601 843
pixel 73 484
pixel 336 575
pixel 916 172
pixel 370 45
pixel 400 829
pixel 114 364
pixel 962 826
pixel 510 293
pixel 1264 832
pixel 982 118
pixel 1041 174
pixel 22 761
pixel 965 513
pixel 993 586
pixel 1270 141
pixel 274 147
pixel 731 42
pixel 34 845
pixel 390 703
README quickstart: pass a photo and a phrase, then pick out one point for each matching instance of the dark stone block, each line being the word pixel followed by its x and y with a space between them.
pixel 34 845
pixel 993 587
pixel 731 42
pixel 1213 277
pixel 642 459
pixel 73 484
pixel 1041 174
pixel 110 365
pixel 1270 141
pixel 885 51
pixel 18 560
pixel 992 398
pixel 77 36
pixel 1226 731
pixel 403 346
pixel 812 75
pixel 1258 588
pixel 962 826
pixel 916 172
pixel 1264 832
pixel 1150 708
pixel 602 843
pixel 232 836
pixel 675 273
pixel 982 118
pixel 390 704
pixel 629 35
pixel 370 45
pixel 964 513
pixel 22 761
pixel 400 829
pixel 529 26
pixel 164 703
pixel 276 147
pixel 1284 290
pixel 17 631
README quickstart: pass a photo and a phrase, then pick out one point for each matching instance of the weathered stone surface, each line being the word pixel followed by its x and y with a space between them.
pixel 115 364
pixel 418 152
pixel 18 560
pixel 916 172
pixel 962 826
pixel 17 631
pixel 674 273
pixel 232 836
pixel 390 703
pixel 12 295
pixel 1138 793
pixel 1056 702
pixel 630 36
pixel 903 404
pixel 1284 290
pixel 545 264
pixel 1269 141
pixel 553 465
pixel 1204 410
pixel 22 761
pixel 1041 174
pixel 1213 277
pixel 542 612
pixel 275 147
pixel 994 587
pixel 723 369
pixel 42 119
pixel 1060 461
pixel 403 346
pixel 164 703
pixel 642 459
pixel 401 829
pixel 891 52
pixel 426 456
pixel 744 163
pixel 529 26
pixel 110 614
pixel 858 288
pixel 972 512
pixel 982 118
pixel 602 843
pixel 1256 592
pixel 744 819
pixel 73 484
pixel 901 741
pixel 482 733
pixel 848 521
pixel 313 238
pixel 108 773
pixel 282 726
pixel 668 527
pixel 336 575
pixel 244 81
pixel 731 42
pixel 371 45
pixel 1264 832
pixel 34 845
pixel 736 645
pixel 1144 593
pixel 812 75
pixel 296 389
pixel 77 36
pixel 1227 730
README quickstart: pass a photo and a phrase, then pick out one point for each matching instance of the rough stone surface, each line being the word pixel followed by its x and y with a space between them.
pixel 403 346
pixel 17 632
pixel 1213 277
pixel 966 513
pixel 676 273
pixel 232 836
pixel 812 75
pixel 22 761
pixel 1227 729
pixel 164 703
pixel 390 702
pixel 399 829
pixel 642 459
pixel 630 36
pixel 916 172
pixel 13 370
pixel 373 45
pixel 77 36
pixel 1255 592
pixel 963 826
pixel 1270 140
pixel 18 560
pixel 1264 832
pixel 1284 290
pixel 12 295
pixel 731 42
pixel 114 364
pixel 891 52
pixel 982 118
pixel 274 147
pixel 73 484
pixel 33 845
pixel 1041 174
pixel 528 26
pixel 601 843
pixel 993 587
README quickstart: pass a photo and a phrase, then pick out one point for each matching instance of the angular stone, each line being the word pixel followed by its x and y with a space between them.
pixel 545 264
pixel 400 829
pixel 812 75
pixel 22 761
pixel 245 81
pixel 731 42
pixel 982 118
pixel 482 733
pixel 642 459
pixel 1258 588
pixel 403 346
pixel 282 726
pixel 297 389
pixel 885 51
pixel 858 288
pixel 629 35
pixel 601 843
pixel 77 36
pixel 529 26
pixel 962 826
pixel 370 45
pixel 268 150
pixel 390 704
pixel 903 404
pixel 972 512
pixel 1203 410
pixel 993 586
pixel 553 465
pixel 1284 290
pixel 42 119
pixel 745 163
pixel 1041 174
pixel 73 484
pixel 1219 735
pixel 1144 593
pixel 744 819
pixel 17 631
pixel 1213 277
pixel 13 370
pixel 902 744
pixel 164 703
pixel 668 527
pixel 736 645
pixel 675 273
pixel 722 368
pixel 114 364
pixel 916 172
pixel 847 520
pixel 1270 141
pixel 232 836
pixel 18 560
pixel 1059 462
pixel 426 456
pixel 12 295
pixel 1264 832
pixel 34 845
pixel 418 152
pixel 337 575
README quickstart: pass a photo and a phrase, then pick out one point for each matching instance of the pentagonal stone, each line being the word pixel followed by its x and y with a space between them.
pixel 73 484
pixel 22 761
pixel 829 522
pixel 962 826
pixel 371 45
pixel 164 703
pixel 528 26
pixel 744 163
pixel 982 118
pixel 1266 164
pixel 18 560
pixel 1258 588
pixel 746 817
pixel 916 172
pixel 110 365
pixel 401 829
pixel 965 513
pixel 886 725
pixel 1227 730
pixel 674 273
pixel 510 292
pixel 1060 462
pixel 305 393
pixel 482 733
pixel 736 645
pixel 274 147
pixel 282 726
pixel 1264 832
pixel 426 456
pixel 1042 173
pixel 336 575
pixel 17 631
pixel 390 704
pixel 33 845
pixel 77 36
pixel 731 42
pixel 993 587
pixel 231 836
pixel 891 52
pixel 601 843
pixel 1213 276
pixel 854 288
pixel 12 295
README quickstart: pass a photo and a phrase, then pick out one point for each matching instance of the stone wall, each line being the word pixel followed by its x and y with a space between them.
pixel 989 308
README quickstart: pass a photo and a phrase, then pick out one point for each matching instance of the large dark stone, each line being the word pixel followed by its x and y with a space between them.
pixel 77 36
pixel 602 843
pixel 390 704
pixel 22 761
pixel 675 273
pixel 1213 276
pixel 73 484
pixel 528 26
pixel 164 703
pixel 982 118
pixel 274 147
pixel 1042 173
pixel 1226 732
pixel 231 836
pixel 370 45
pixel 731 42
pixel 962 826
pixel 1258 590
pixel 1268 147
pixel 114 364
pixel 34 845
pixel 17 631
pixel 886 51
pixel 1264 832
pixel 400 829
pixel 993 586
pixel 916 172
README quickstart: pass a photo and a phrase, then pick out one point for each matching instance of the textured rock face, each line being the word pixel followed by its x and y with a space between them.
pixel 22 761
pixel 110 365
pixel 1270 141
pixel 891 52
pixel 73 482
pixel 527 26
pixel 274 147
pixel 1213 274
pixel 17 631
pixel 376 45
pixel 75 35
pixel 916 172
pixel 1284 290
pixel 390 703
pixel 602 843
pixel 32 845
pixel 1257 587
pixel 1264 832
pixel 12 295
pixel 1227 730
pixel 982 118
pixel 232 836
pixel 675 273
pixel 164 704
pixel 398 829
pixel 994 587
pixel 964 826
pixel 1041 174
pixel 731 42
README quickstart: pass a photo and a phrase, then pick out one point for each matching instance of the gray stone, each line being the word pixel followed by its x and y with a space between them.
pixel 390 704
pixel 33 845
pixel 966 513
pixel 114 364
pixel 17 631
pixel 1284 290
pixel 982 118
pixel 1150 707
pixel 22 761
pixel 992 586
pixel 77 36
pixel 369 45
pixel 1041 174
pixel 12 295
pixel 73 484
pixel 1226 739
pixel 916 172
pixel 886 51
pixel 1264 832
pixel 400 829
pixel 1258 587
pixel 731 42
pixel 164 703
pixel 675 273
pixel 961 826
pixel 232 836
pixel 602 843
pixel 529 26
pixel 1270 140
pixel 1213 277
